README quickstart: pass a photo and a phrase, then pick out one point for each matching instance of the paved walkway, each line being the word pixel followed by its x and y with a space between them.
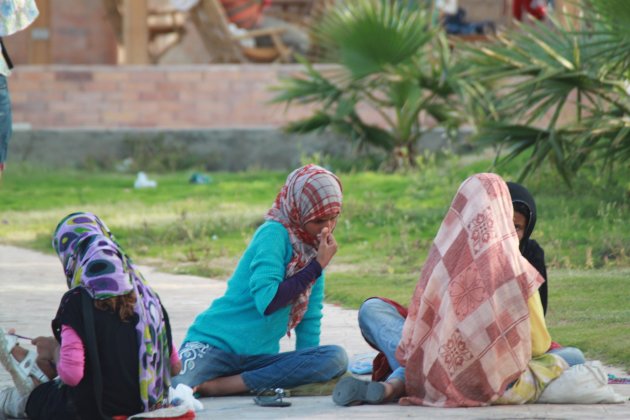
pixel 32 283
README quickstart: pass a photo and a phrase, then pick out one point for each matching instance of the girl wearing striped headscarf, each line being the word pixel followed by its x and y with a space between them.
pixel 277 287
pixel 112 340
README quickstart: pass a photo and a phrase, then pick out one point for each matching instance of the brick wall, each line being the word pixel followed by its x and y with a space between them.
pixel 162 97
pixel 80 33
pixel 497 11
pixel 209 96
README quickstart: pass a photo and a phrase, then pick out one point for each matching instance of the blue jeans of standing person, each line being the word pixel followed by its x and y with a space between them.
pixel 5 120
pixel 202 362
pixel 382 326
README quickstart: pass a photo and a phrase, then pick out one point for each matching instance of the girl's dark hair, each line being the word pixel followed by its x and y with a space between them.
pixel 122 305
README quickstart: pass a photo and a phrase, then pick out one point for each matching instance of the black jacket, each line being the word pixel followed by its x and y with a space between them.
pixel 529 247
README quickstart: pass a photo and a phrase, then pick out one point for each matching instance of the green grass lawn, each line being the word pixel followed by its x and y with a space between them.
pixel 385 231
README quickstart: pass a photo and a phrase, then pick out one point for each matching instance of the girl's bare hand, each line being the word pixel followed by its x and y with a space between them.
pixel 47 348
pixel 176 368
pixel 327 248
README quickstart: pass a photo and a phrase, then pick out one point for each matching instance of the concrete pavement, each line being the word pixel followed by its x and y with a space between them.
pixel 32 283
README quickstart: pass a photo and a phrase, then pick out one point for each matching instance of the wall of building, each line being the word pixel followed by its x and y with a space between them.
pixel 79 31
pixel 172 97
pixel 497 11
pixel 216 116
pixel 214 149
pixel 158 150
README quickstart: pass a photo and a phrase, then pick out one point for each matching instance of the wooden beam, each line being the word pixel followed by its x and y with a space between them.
pixel 115 17
pixel 39 43
pixel 135 32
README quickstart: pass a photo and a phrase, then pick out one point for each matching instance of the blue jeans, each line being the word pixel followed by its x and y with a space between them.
pixel 382 325
pixel 572 355
pixel 5 119
pixel 202 362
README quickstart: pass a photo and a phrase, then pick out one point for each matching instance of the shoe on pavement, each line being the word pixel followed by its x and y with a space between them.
pixel 352 391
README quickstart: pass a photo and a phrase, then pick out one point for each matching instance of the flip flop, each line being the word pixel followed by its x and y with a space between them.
pixel 274 400
pixel 20 372
pixel 353 391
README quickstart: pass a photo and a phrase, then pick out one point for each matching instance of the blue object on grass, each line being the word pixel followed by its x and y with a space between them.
pixel 198 178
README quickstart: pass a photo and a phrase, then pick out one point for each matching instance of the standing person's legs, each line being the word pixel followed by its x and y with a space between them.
pixel 382 325
pixel 5 121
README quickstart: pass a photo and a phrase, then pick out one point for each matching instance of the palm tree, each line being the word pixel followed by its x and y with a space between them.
pixel 389 60
pixel 556 93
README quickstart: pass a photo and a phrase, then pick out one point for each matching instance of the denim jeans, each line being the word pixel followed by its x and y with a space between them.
pixel 382 325
pixel 573 356
pixel 202 362
pixel 5 120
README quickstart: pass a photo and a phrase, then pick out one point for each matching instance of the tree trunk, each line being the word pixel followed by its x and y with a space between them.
pixel 411 155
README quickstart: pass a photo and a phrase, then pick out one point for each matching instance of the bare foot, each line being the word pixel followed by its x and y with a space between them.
pixel 226 385
pixel 394 389
pixel 19 353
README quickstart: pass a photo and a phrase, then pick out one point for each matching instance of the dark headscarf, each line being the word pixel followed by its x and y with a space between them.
pixel 520 195
pixel 521 198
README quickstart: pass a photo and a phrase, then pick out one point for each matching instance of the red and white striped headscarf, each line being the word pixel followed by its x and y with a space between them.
pixel 309 193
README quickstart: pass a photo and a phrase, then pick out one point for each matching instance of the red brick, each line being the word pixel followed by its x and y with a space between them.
pixel 135 96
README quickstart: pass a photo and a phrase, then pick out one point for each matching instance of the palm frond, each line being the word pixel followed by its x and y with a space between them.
pixel 307 87
pixel 316 122
pixel 605 25
pixel 368 35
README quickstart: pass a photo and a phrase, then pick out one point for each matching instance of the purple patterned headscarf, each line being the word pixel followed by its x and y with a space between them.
pixel 92 259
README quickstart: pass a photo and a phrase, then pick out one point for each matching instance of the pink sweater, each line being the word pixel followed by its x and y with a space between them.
pixel 71 364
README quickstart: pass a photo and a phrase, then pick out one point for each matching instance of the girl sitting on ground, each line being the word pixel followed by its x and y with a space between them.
pixel 475 333
pixel 278 285
pixel 112 341
pixel 524 222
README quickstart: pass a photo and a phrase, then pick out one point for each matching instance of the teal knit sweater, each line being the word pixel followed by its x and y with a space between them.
pixel 236 322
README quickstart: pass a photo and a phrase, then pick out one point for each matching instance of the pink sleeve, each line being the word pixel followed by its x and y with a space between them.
pixel 71 357
pixel 174 356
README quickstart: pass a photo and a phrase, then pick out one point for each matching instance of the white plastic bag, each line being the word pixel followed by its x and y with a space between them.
pixel 586 383
pixel 182 395
pixel 143 181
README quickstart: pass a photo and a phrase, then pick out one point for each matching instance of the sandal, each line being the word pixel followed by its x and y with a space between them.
pixel 22 372
pixel 353 391
pixel 274 400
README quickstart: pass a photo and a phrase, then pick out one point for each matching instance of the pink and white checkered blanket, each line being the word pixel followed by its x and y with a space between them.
pixel 467 335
